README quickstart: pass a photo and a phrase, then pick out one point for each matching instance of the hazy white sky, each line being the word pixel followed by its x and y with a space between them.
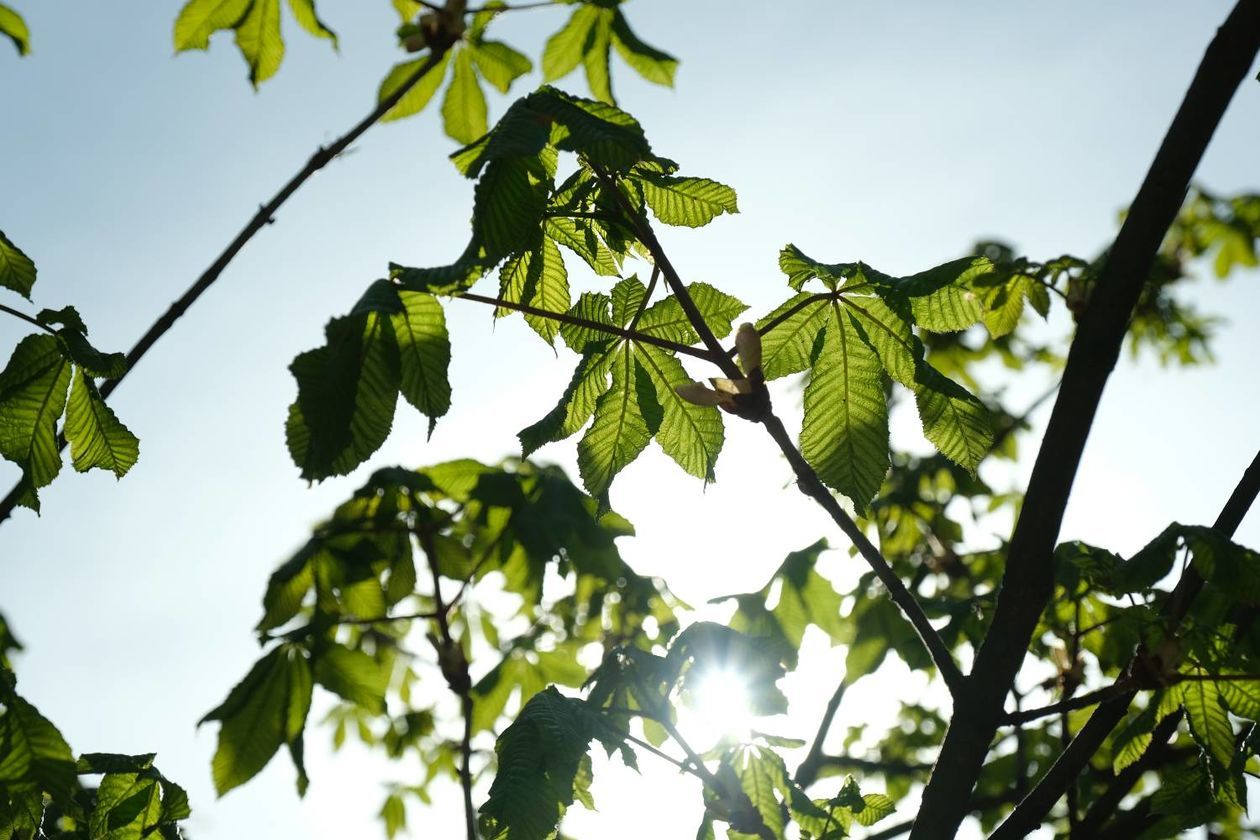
pixel 892 133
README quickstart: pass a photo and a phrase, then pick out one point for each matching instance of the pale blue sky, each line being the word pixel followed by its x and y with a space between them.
pixel 896 133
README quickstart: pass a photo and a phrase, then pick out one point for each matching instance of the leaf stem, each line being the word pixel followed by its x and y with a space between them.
pixel 27 318
pixel 565 318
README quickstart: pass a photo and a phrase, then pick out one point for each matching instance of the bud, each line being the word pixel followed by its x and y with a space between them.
pixel 748 345
pixel 733 387
pixel 697 393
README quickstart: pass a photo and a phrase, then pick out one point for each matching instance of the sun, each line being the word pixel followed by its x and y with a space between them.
pixel 719 708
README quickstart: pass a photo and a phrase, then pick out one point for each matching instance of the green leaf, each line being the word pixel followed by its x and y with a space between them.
pixel 844 436
pixel 522 132
pixel 761 776
pixel 500 65
pixel 419 95
pixel 790 344
pixel 943 298
pixel 265 710
pixel 690 202
pixel 649 62
pixel 875 807
pixel 33 755
pixel 595 58
pixel 17 271
pixel 564 50
pixel 621 428
pixel 424 353
pixel 579 237
pixel 32 396
pixel 354 676
pixel 539 279
pixel 1209 721
pixel 539 757
pixel 304 14
pixel 97 439
pixel 394 815
pixel 955 422
pixel 507 212
pixel 885 324
pixel 606 135
pixel 464 107
pixel 258 37
pixel 128 807
pixel 590 380
pixel 800 269
pixel 666 318
pixel 347 390
pixel 690 434
pixel 199 19
pixel 1242 697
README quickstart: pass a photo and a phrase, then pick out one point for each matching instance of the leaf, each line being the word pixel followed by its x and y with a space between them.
pixel 1242 697
pixel 304 14
pixel 538 279
pixel 621 428
pixel 761 776
pixel 419 95
pixel 265 710
pixel 347 389
pixel 606 135
pixel 691 202
pixel 97 439
pixel 424 354
pixel 199 19
pixel 876 807
pixel 595 58
pixel 649 62
pixel 885 324
pixel 32 396
pixel 464 108
pixel 579 237
pixel 844 436
pixel 258 37
pixel 33 755
pixel 955 422
pixel 508 208
pixel 564 50
pixel 800 269
pixel 666 318
pixel 539 757
pixel 17 271
pixel 589 381
pixel 690 434
pixel 942 298
pixel 354 676
pixel 1209 722
pixel 788 346
pixel 500 65
pixel 127 807
pixel 394 815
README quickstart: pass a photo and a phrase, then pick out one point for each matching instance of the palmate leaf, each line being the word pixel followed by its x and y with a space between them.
pixel 262 712
pixel 954 421
pixel 17 270
pixel 1209 720
pixel 508 207
pixel 793 342
pixel 626 417
pixel 539 279
pixel 690 434
pixel 666 319
pixel 464 107
pixel 588 37
pixel 589 381
pixel 128 807
pixel 256 24
pixel 580 237
pixel 844 435
pixel 352 675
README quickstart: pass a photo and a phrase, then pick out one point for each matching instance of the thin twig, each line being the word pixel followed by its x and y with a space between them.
pixel 1083 701
pixel 386 619
pixel 779 319
pixel 807 772
pixel 27 318
pixel 1028 578
pixel 565 318
pixel 647 298
pixel 512 8
pixel 322 157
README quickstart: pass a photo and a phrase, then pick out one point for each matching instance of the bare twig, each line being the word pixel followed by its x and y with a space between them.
pixel 1068 705
pixel 322 157
pixel 807 772
pixel 1028 581
pixel 16 313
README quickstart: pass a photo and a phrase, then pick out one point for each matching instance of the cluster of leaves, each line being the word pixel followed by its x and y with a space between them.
pixel 41 794
pixel 256 25
pixel 50 374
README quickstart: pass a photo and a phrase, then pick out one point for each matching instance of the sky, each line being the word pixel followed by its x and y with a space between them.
pixel 897 134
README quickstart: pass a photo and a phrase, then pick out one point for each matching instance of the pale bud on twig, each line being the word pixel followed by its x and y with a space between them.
pixel 748 345
pixel 697 393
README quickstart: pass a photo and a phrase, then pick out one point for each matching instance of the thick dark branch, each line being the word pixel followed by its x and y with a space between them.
pixel 1107 803
pixel 573 320
pixel 1033 809
pixel 1029 578
pixel 808 482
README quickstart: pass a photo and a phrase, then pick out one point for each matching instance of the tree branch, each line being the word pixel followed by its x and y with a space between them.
pixel 609 329
pixel 1028 582
pixel 322 157
pixel 1033 809
pixel 807 772
pixel 1071 704
pixel 17 313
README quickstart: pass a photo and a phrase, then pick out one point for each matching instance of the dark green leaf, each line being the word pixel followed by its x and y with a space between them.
pixel 32 397
pixel 17 271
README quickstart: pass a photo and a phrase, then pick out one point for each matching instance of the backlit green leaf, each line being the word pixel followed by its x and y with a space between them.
pixel 258 37
pixel 33 755
pixel 353 675
pixel 419 95
pixel 691 202
pixel 690 434
pixel 500 65
pixel 649 62
pixel 539 279
pixel 564 50
pixel 464 107
pixel 304 13
pixel 1209 722
pixel 621 428
pixel 199 19
pixel 955 422
pixel 97 439
pixel 17 271
pixel 32 396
